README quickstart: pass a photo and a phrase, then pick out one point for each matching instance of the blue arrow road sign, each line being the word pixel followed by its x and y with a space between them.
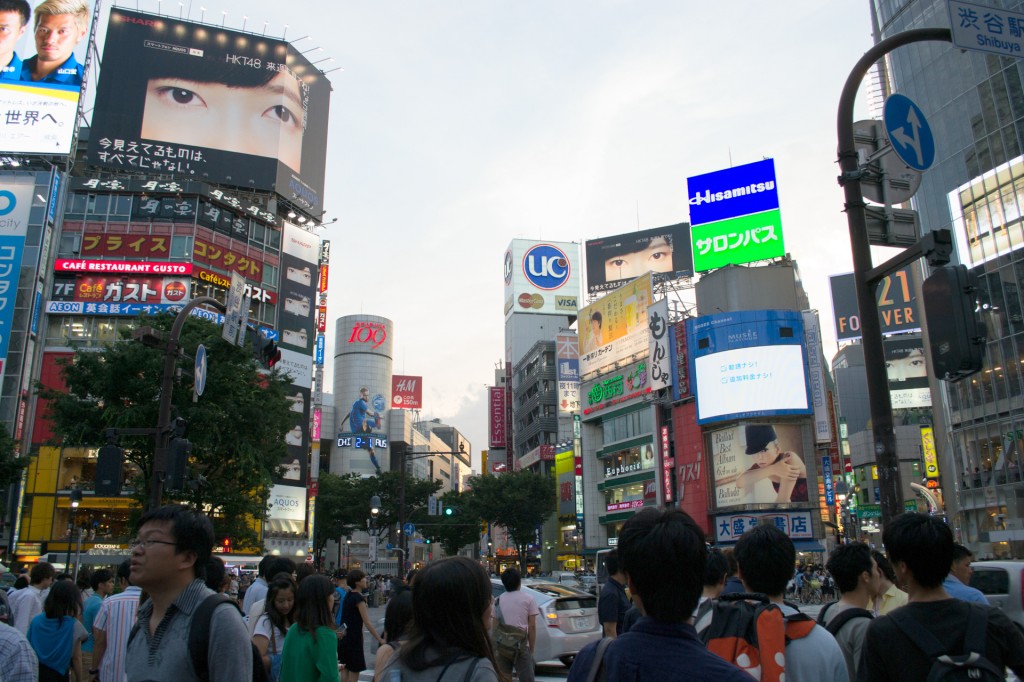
pixel 909 132
pixel 200 372
pixel 408 529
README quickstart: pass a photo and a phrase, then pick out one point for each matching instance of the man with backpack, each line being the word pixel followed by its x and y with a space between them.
pixel 933 636
pixel 662 554
pixel 789 645
pixel 169 556
pixel 858 578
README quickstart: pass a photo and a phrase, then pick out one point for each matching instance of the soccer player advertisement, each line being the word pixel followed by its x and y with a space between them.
pixel 210 104
pixel 43 49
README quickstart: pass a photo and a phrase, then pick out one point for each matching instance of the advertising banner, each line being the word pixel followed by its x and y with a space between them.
pixel 566 477
pixel 897 304
pixel 907 370
pixel 659 348
pixel 542 277
pixel 123 267
pixel 117 309
pixel 406 392
pixel 210 103
pixel 826 476
pixel 287 503
pixel 931 460
pixel 738 240
pixel 753 463
pixel 816 377
pixel 680 361
pixel 567 372
pixel 665 251
pixel 612 389
pixel 121 289
pixel 15 207
pixel 496 418
pixel 299 253
pixel 41 81
pixel 614 328
pixel 795 524
pixel 747 364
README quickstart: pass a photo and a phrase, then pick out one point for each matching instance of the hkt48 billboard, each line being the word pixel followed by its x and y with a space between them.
pixel 734 216
pixel 211 104
pixel 42 62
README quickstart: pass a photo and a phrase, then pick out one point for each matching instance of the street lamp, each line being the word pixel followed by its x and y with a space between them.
pixel 576 549
pixel 76 499
pixel 348 553
pixel 402 542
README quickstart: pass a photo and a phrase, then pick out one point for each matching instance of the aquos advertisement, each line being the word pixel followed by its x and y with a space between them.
pixel 43 50
pixel 542 277
pixel 210 104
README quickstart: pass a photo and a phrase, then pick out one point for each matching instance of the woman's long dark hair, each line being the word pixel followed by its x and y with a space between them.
pixel 62 600
pixel 311 610
pixel 281 621
pixel 398 616
pixel 448 606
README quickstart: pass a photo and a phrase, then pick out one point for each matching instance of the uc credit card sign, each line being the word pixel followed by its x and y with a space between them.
pixel 734 216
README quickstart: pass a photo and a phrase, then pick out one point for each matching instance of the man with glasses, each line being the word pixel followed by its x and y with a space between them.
pixel 169 556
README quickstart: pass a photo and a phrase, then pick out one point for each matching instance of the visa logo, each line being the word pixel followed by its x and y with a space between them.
pixel 565 302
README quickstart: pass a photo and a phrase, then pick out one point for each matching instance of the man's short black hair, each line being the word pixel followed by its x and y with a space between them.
pixel 960 552
pixel 663 554
pixel 847 562
pixel 611 562
pixel 511 579
pixel 19 6
pixel 766 558
pixel 192 531
pixel 924 543
pixel 124 571
pixel 261 569
pixel 279 564
pixel 716 567
pixel 99 577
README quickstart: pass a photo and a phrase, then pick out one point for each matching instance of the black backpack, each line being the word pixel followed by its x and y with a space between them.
pixel 199 639
pixel 837 623
pixel 971 665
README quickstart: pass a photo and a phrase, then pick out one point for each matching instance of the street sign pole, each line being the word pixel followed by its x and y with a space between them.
pixel 866 277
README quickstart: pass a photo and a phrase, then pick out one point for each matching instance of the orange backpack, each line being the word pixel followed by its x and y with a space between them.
pixel 750 632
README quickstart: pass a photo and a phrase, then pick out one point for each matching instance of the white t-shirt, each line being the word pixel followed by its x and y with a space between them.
pixel 263 627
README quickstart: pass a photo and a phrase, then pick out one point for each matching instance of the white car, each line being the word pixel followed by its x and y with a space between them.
pixel 567 621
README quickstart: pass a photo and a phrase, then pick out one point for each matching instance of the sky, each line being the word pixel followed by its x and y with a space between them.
pixel 458 126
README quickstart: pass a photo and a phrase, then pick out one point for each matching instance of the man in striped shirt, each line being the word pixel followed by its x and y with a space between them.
pixel 17 660
pixel 111 628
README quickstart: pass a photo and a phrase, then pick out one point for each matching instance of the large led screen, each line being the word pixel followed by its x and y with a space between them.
pixel 210 104
pixel 42 64
pixel 759 463
pixel 665 251
pixel 614 328
pixel 748 364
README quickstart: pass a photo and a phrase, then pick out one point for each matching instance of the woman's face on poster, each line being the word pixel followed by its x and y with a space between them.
pixel 657 257
pixel 910 366
pixel 768 455
pixel 265 120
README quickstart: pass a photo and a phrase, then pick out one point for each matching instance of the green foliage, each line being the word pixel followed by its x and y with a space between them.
pixel 340 508
pixel 387 487
pixel 237 427
pixel 455 532
pixel 520 501
pixel 11 464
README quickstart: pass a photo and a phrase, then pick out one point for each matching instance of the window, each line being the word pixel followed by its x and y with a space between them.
pixel 181 247
pixel 70 245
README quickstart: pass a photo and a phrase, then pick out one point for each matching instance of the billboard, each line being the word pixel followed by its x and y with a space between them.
pixel 658 352
pixel 897 304
pixel 665 251
pixel 496 419
pixel 300 251
pixel 565 474
pixel 211 104
pixel 758 463
pixel 734 214
pixel 121 289
pixel 406 392
pixel 542 277
pixel 748 364
pixel 15 207
pixel 795 524
pixel 680 361
pixel 567 372
pixel 614 327
pixel 907 371
pixel 41 76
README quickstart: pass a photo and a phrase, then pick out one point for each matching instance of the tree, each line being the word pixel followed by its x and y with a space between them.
pixel 237 427
pixel 520 501
pixel 456 531
pixel 340 511
pixel 10 463
pixel 387 487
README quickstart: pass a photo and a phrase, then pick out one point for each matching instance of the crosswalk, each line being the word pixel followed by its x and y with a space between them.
pixel 546 672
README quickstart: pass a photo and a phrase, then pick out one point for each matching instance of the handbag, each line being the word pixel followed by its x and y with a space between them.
pixel 508 639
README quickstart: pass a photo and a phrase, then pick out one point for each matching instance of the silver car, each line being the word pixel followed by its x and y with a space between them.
pixel 567 621
pixel 1001 582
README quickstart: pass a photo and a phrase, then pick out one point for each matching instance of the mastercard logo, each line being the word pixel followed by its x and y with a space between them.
pixel 531 301
pixel 175 291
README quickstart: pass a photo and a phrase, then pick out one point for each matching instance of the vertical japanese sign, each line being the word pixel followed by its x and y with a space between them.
pixel 567 373
pixel 660 360
pixel 931 460
pixel 816 377
pixel 15 204
pixel 566 478
pixel 668 465
pixel 496 401
pixel 826 475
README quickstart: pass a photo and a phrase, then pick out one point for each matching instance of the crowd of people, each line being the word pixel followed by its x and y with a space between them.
pixel 673 608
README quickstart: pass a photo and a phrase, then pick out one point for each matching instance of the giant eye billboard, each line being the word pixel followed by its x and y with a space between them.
pixel 42 63
pixel 210 104
pixel 665 251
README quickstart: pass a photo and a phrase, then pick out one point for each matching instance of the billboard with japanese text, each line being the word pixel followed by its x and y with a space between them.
pixel 567 372
pixel 120 289
pixel 208 103
pixel 748 364
pixel 665 251
pixel 44 57
pixel 614 328
pixel 759 463
pixel 795 524
pixel 565 475
pixel 15 207
pixel 542 277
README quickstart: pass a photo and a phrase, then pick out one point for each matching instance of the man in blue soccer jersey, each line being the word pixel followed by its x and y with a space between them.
pixel 14 16
pixel 59 26
pixel 357 419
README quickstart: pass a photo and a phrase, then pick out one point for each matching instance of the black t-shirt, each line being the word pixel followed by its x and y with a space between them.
pixel 890 655
pixel 612 604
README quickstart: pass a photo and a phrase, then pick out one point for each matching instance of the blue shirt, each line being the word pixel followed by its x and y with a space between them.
pixel 358 414
pixel 92 607
pixel 69 73
pixel 957 590
pixel 653 651
pixel 11 72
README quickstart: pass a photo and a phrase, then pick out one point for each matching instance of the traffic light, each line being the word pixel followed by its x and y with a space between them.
pixel 429 539
pixel 226 545
pixel 956 334
pixel 179 450
pixel 452 511
pixel 109 468
pixel 267 351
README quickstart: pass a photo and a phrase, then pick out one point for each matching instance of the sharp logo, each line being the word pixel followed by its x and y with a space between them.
pixel 546 266
pixel 709 197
